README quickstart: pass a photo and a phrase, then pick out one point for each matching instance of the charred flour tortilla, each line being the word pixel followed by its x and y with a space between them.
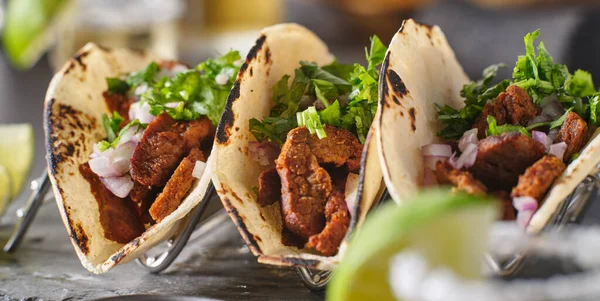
pixel 277 52
pixel 74 108
pixel 421 72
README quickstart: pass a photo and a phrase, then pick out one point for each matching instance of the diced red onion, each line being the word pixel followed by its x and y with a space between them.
pixel 431 161
pixel 467 158
pixel 119 186
pixel 542 138
pixel 122 155
pixel 540 118
pixel 351 190
pixel 199 169
pixel 263 152
pixel 523 218
pixel 553 109
pixel 141 89
pixel 141 111
pixel 128 135
pixel 469 136
pixel 103 167
pixel 553 134
pixel 172 105
pixel 439 150
pixel 558 149
pixel 525 203
pixel 221 79
pixel 429 178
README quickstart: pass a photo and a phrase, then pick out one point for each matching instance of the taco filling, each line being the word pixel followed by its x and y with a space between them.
pixel 158 138
pixel 310 147
pixel 514 138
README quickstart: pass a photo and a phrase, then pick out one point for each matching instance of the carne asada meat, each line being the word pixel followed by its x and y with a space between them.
pixel 501 159
pixel 538 178
pixel 119 103
pixel 574 133
pixel 337 219
pixel 117 216
pixel 143 196
pixel 461 180
pixel 177 187
pixel 508 211
pixel 514 106
pixel 164 143
pixel 306 185
pixel 269 187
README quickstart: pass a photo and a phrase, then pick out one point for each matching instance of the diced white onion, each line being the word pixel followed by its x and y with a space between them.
pixel 199 169
pixel 542 138
pixel 221 79
pixel 238 62
pixel 128 135
pixel 172 105
pixel 137 137
pixel 122 155
pixel 103 167
pixel 431 161
pixel 439 150
pixel 540 118
pixel 552 134
pixel 469 137
pixel 141 89
pixel 97 153
pixel 558 149
pixel 263 152
pixel 467 158
pixel 119 186
pixel 141 111
pixel 351 191
pixel 179 68
pixel 553 109
pixel 524 203
pixel 523 218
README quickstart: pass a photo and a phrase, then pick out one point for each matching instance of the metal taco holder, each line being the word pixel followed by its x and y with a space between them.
pixel 569 212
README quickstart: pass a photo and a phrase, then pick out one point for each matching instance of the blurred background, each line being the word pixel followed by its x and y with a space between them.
pixel 39 35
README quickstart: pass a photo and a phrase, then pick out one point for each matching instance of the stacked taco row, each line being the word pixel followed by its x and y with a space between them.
pixel 298 145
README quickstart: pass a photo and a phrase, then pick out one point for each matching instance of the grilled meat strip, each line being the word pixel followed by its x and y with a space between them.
pixel 269 187
pixel 306 185
pixel 118 216
pixel 538 178
pixel 164 143
pixel 177 187
pixel 574 133
pixel 461 180
pixel 514 106
pixel 501 159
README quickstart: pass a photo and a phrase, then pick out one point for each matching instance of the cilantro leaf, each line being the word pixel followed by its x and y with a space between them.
pixel 376 54
pixel 112 143
pixel 580 84
pixel 331 115
pixel 111 125
pixel 147 75
pixel 497 130
pixel 116 86
pixel 595 109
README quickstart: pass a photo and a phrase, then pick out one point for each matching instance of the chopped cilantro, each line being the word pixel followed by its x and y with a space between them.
pixel 106 144
pixel 497 130
pixel 116 86
pixel 329 84
pixel 195 90
pixel 111 125
pixel 148 75
pixel 536 72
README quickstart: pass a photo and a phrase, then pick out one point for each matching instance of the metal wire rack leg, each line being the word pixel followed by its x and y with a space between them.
pixel 26 215
pixel 157 264
pixel 313 279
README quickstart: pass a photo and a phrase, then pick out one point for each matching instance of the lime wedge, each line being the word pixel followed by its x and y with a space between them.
pixel 27 28
pixel 5 189
pixel 447 229
pixel 16 152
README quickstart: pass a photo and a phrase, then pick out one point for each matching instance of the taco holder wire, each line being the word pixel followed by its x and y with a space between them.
pixel 570 211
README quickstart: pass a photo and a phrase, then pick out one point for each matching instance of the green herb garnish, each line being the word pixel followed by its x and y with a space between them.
pixel 497 130
pixel 111 125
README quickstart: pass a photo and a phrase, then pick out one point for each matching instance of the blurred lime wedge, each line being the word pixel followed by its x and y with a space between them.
pixel 27 28
pixel 447 229
pixel 5 189
pixel 16 152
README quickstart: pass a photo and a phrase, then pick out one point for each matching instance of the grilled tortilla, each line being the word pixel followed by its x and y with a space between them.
pixel 277 52
pixel 420 70
pixel 74 106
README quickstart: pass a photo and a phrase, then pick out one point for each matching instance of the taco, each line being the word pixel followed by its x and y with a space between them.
pixel 128 138
pixel 293 147
pixel 529 140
